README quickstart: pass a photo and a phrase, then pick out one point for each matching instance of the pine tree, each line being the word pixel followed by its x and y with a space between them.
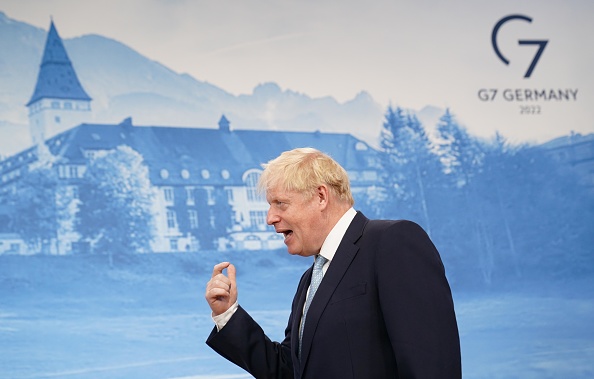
pixel 423 170
pixel 391 161
pixel 462 158
pixel 460 153
pixel 499 193
pixel 411 170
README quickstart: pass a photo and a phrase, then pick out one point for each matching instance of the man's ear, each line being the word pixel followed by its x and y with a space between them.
pixel 322 195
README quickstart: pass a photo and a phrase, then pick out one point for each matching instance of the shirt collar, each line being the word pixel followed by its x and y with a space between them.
pixel 333 239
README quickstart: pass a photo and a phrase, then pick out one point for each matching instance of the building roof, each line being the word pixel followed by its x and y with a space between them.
pixel 57 78
pixel 568 140
pixel 203 156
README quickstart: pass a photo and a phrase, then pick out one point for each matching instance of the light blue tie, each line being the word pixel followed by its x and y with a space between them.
pixel 316 279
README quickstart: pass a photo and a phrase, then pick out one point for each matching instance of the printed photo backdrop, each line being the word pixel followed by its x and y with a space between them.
pixel 131 136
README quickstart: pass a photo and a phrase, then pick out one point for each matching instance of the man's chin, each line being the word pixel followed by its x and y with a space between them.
pixel 295 251
pixel 301 253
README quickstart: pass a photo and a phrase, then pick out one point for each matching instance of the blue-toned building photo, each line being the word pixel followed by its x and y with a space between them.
pixel 202 180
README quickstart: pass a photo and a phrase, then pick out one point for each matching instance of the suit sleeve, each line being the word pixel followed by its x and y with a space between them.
pixel 417 304
pixel 243 342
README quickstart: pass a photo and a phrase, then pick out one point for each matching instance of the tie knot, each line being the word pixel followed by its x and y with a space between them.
pixel 320 261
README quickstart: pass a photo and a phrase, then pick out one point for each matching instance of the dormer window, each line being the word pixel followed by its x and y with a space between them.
pixel 190 199
pixel 168 195
pixel 361 146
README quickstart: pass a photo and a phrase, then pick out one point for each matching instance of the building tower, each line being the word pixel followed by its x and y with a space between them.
pixel 59 102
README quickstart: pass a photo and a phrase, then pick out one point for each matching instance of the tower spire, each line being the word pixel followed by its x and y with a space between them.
pixel 57 78
pixel 59 101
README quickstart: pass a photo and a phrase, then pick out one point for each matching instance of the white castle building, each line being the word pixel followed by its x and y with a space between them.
pixel 192 170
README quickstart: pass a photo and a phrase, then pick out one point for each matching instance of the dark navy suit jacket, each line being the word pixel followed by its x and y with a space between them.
pixel 383 310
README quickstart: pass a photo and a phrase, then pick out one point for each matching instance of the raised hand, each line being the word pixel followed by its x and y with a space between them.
pixel 221 290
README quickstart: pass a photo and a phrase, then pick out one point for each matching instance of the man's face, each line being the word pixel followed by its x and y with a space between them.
pixel 298 218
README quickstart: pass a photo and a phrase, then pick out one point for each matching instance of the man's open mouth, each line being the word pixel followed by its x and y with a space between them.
pixel 286 233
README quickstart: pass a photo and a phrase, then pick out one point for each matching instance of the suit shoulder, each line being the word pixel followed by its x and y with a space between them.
pixel 395 226
pixel 402 232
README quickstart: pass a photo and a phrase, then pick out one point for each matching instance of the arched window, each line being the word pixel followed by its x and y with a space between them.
pixel 251 184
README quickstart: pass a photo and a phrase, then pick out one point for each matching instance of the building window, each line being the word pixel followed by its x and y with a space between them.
pixel 360 146
pixel 11 175
pixel 67 105
pixel 173 244
pixel 91 154
pixel 257 218
pixel 168 194
pixel 55 105
pixel 251 184
pixel 190 199
pixel 210 195
pixel 171 220
pixel 229 192
pixel 193 219
pixel 57 119
pixel 211 218
pixel 70 171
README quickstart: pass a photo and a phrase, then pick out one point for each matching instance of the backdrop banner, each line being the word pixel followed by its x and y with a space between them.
pixel 132 138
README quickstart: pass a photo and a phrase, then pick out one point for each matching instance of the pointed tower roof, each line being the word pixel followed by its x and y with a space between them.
pixel 57 78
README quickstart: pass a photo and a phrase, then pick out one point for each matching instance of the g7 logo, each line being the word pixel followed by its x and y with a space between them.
pixel 541 43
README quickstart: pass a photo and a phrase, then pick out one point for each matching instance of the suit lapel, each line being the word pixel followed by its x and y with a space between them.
pixel 297 312
pixel 346 252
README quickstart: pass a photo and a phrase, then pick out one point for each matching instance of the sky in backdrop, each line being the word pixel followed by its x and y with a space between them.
pixel 405 53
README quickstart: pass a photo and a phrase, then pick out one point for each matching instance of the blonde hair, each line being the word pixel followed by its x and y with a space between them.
pixel 303 170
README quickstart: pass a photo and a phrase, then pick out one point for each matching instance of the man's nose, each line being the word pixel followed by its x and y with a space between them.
pixel 272 217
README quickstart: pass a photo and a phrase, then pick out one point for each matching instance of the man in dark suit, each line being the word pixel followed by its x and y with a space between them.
pixel 383 307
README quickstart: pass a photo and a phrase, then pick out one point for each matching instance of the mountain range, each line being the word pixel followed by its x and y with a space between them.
pixel 124 83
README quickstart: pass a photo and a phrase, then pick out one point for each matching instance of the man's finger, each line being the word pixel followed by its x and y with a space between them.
pixel 218 268
pixel 215 294
pixel 231 273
